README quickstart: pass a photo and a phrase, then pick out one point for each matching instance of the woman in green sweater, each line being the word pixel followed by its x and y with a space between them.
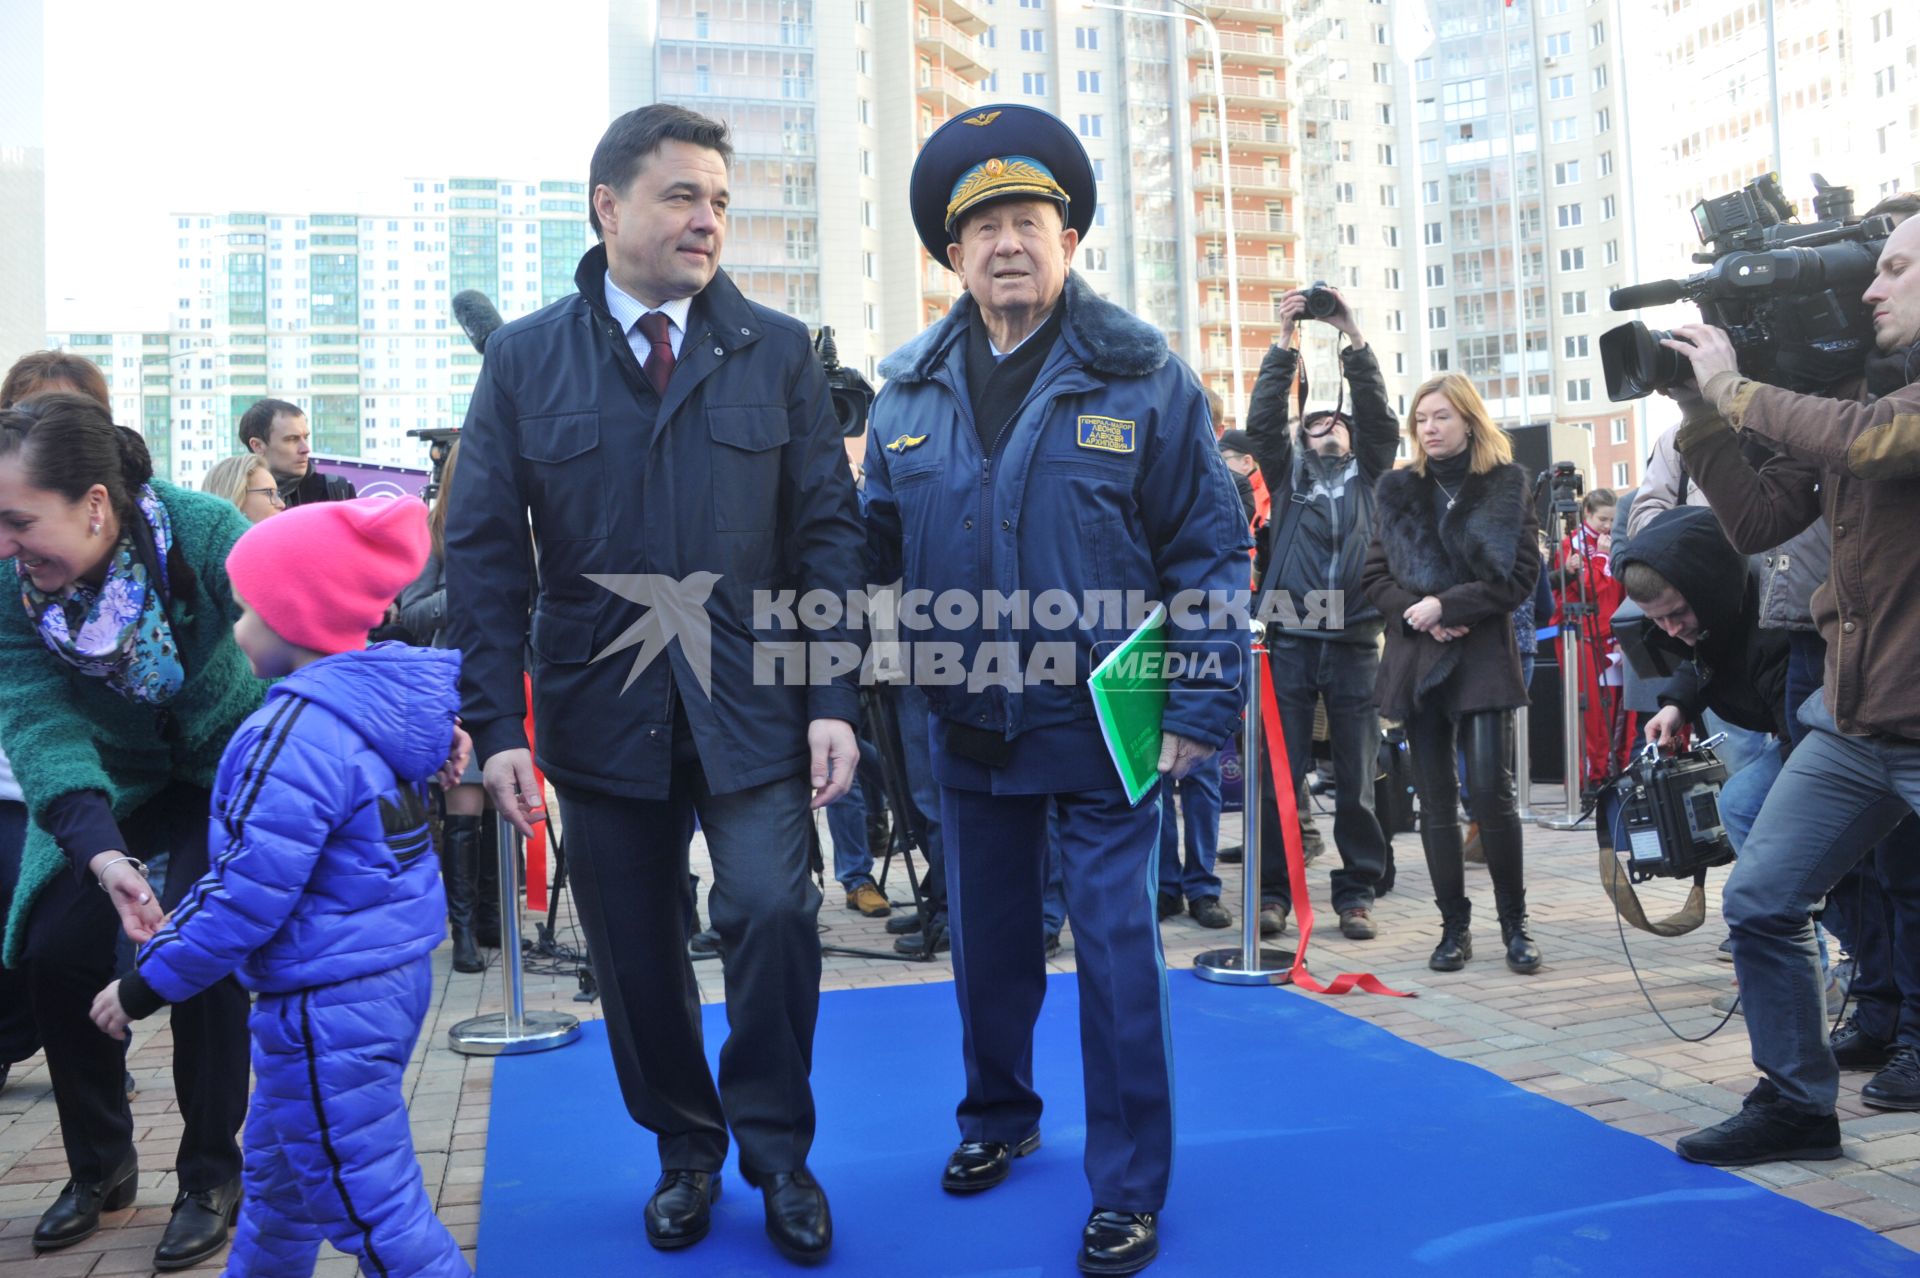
pixel 123 684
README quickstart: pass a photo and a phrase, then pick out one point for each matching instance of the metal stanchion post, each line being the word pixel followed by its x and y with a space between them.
pixel 515 1031
pixel 1523 765
pixel 1249 963
pixel 1570 721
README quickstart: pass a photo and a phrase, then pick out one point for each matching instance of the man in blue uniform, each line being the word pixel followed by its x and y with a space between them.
pixel 1039 439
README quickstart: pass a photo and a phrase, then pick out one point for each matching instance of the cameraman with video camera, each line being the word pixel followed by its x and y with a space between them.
pixel 1856 772
pixel 1315 544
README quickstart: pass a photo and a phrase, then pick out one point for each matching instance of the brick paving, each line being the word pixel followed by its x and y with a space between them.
pixel 1579 1032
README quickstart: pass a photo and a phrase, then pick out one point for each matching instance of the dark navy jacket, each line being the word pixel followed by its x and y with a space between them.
pixel 322 863
pixel 739 479
pixel 1106 480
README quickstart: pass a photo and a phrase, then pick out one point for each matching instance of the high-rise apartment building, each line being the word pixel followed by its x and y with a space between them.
pixel 345 314
pixel 23 180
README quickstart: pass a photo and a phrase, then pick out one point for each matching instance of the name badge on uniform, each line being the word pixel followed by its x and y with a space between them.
pixel 1108 434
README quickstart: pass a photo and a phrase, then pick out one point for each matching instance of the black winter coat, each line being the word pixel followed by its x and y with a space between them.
pixel 1480 561
pixel 737 481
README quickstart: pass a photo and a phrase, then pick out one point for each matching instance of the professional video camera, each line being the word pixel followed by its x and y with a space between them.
pixel 1787 293
pixel 852 393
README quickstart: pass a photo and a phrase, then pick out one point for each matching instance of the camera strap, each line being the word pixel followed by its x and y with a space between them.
pixel 1627 902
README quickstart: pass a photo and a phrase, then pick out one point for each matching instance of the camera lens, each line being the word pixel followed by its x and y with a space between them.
pixel 1636 364
pixel 1320 300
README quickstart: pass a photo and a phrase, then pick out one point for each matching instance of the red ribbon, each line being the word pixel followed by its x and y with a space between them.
pixel 1276 743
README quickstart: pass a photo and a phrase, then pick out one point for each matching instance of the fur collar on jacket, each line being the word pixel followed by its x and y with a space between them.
pixel 1474 542
pixel 1107 339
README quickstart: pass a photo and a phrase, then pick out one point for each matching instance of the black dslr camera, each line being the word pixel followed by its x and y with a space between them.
pixel 1322 303
pixel 1787 293
pixel 1667 813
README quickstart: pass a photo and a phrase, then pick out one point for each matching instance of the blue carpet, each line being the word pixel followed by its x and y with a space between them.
pixel 1310 1143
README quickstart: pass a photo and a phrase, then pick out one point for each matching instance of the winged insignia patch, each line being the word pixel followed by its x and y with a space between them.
pixel 905 442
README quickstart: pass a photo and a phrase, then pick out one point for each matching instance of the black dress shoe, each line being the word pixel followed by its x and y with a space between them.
pixel 1766 1130
pixel 982 1164
pixel 75 1214
pixel 680 1211
pixel 1854 1048
pixel 1232 854
pixel 1169 905
pixel 1208 912
pixel 798 1221
pixel 914 945
pixel 901 924
pixel 1118 1242
pixel 1898 1085
pixel 704 944
pixel 200 1225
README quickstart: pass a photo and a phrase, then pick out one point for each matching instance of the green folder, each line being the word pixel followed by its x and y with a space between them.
pixel 1129 689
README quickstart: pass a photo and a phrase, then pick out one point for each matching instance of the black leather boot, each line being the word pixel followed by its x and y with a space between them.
pixel 1456 942
pixel 486 891
pixel 458 868
pixel 1523 956
pixel 75 1214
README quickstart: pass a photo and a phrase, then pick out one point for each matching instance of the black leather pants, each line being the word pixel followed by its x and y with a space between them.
pixel 1487 739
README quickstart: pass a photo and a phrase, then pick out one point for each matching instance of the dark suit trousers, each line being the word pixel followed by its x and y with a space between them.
pixel 996 874
pixel 628 859
pixel 71 957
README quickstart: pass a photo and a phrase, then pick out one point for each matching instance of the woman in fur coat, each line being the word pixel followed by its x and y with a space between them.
pixel 1454 553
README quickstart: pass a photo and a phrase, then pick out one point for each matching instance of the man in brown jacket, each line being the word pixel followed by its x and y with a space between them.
pixel 1857 772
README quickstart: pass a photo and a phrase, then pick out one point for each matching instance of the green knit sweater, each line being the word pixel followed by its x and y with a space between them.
pixel 66 732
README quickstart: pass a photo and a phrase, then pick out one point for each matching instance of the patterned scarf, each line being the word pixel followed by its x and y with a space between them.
pixel 117 630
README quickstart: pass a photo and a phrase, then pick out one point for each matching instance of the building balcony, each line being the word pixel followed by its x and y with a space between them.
pixel 964 14
pixel 1251 49
pixel 1250 222
pixel 1248 90
pixel 946 92
pixel 1246 179
pixel 1219 359
pixel 1244 135
pixel 1252 314
pixel 949 46
pixel 1253 270
pixel 1244 10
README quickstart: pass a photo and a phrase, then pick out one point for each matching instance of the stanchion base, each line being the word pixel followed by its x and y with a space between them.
pixel 1228 967
pixel 1564 823
pixel 487 1035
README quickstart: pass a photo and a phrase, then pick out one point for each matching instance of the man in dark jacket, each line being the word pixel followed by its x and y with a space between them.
pixel 278 431
pixel 676 451
pixel 1857 771
pixel 1704 598
pixel 1322 485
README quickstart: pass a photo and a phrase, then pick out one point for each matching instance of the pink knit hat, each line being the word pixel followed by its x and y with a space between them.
pixel 321 576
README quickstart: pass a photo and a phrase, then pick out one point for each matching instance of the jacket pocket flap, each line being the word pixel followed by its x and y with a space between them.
pixel 560 639
pixel 555 439
pixel 754 428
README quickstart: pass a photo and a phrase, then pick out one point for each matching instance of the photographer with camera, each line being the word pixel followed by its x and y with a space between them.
pixel 1856 772
pixel 1322 482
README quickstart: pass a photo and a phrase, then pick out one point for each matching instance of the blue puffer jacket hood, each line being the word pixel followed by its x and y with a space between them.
pixel 323 864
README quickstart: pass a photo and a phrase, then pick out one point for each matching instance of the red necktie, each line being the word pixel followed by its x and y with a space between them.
pixel 654 325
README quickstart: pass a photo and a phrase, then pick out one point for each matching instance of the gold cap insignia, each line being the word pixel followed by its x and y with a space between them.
pixel 983 119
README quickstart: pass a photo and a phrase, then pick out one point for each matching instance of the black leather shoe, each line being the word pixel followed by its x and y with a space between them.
pixel 914 944
pixel 901 924
pixel 75 1214
pixel 200 1225
pixel 1898 1085
pixel 1273 920
pixel 680 1211
pixel 1854 1048
pixel 704 944
pixel 798 1221
pixel 982 1164
pixel 1232 854
pixel 1208 912
pixel 1118 1242
pixel 1168 906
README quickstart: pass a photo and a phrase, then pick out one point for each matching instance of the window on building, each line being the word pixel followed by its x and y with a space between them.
pixel 1559 44
pixel 1033 40
pixel 1603 120
pixel 1567 214
pixel 1579 390
pixel 1436 276
pixel 1384 153
pixel 1573 259
pixel 1089 81
pixel 1033 82
pixel 1430 192
pixel 1392 279
pixel 1619 430
pixel 1596 35
pixel 1390 234
pixel 1575 347
pixel 1343 192
pixel 1559 87
pixel 1622 476
pixel 1086 37
pixel 1883 24
pixel 1382 73
pixel 1606 208
pixel 1566 172
pixel 1093 259
pixel 1574 302
pixel 1599 78
pixel 1090 126
pixel 1434 234
pixel 1436 317
pixel 1564 129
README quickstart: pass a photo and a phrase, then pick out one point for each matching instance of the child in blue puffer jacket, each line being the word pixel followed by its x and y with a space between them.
pixel 324 895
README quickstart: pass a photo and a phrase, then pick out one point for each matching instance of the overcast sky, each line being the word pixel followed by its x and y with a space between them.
pixel 154 107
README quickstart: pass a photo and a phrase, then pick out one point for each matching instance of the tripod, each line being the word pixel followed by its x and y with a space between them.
pixel 906 830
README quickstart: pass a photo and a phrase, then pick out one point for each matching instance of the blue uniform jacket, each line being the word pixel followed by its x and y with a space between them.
pixel 322 864
pixel 736 483
pixel 1106 480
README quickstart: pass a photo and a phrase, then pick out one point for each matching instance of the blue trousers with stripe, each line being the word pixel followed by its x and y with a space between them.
pixel 996 872
pixel 328 1150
